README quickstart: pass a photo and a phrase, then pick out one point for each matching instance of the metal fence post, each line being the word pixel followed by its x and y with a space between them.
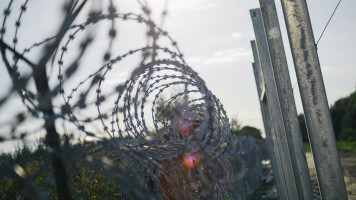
pixel 315 104
pixel 274 105
pixel 273 151
pixel 286 98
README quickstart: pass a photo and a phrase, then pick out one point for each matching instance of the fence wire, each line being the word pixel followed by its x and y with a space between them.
pixel 159 134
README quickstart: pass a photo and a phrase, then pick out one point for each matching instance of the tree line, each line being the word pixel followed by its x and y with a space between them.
pixel 343 114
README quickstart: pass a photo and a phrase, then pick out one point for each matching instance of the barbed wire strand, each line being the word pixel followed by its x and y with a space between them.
pixel 328 21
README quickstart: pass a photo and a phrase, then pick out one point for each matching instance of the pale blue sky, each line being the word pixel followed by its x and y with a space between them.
pixel 214 37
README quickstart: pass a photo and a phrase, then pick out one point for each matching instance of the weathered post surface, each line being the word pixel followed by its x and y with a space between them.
pixel 274 105
pixel 315 104
pixel 273 151
pixel 286 98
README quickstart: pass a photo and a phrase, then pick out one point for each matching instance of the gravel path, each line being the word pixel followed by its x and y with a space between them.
pixel 348 162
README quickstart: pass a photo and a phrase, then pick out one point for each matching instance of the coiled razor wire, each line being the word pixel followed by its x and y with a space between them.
pixel 163 133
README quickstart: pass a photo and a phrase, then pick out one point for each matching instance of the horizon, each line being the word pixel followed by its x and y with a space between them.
pixel 215 40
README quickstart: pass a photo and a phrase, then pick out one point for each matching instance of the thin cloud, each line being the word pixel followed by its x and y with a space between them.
pixel 227 56
pixel 219 58
pixel 236 35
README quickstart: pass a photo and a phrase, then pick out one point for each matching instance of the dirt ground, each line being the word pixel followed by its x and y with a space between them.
pixel 348 162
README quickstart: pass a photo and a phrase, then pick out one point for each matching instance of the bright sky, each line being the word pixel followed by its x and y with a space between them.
pixel 214 36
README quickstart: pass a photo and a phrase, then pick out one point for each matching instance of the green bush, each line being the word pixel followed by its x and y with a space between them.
pixel 343 114
pixel 346 146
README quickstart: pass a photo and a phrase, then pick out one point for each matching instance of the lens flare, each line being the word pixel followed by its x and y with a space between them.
pixel 185 126
pixel 191 159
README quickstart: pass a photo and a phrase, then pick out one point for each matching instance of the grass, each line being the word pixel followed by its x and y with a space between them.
pixel 346 146
pixel 307 147
pixel 342 146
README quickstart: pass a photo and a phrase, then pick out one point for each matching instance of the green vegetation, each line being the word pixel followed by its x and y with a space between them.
pixel 343 114
pixel 307 147
pixel 303 127
pixel 343 146
pixel 236 129
pixel 346 146
pixel 86 164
